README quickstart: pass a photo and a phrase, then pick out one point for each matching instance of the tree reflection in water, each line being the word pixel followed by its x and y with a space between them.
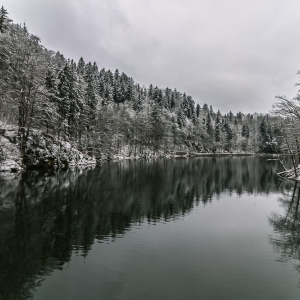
pixel 286 239
pixel 47 217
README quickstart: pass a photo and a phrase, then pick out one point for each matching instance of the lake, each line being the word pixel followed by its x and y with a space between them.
pixel 197 228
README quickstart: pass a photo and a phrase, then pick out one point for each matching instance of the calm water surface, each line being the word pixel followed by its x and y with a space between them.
pixel 200 228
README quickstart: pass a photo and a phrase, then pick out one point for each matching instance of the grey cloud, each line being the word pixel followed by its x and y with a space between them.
pixel 236 55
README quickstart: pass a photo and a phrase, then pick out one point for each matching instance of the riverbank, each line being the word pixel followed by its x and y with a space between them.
pixel 42 151
pixel 45 151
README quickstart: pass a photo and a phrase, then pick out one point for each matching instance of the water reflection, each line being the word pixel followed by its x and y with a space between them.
pixel 286 241
pixel 45 217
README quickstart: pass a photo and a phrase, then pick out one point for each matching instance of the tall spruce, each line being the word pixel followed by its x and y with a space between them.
pixel 4 20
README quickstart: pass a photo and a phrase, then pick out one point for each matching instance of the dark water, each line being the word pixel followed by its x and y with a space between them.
pixel 201 228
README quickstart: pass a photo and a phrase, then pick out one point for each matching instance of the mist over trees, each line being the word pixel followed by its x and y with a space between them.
pixel 102 111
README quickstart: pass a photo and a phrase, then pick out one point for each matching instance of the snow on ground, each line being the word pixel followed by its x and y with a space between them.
pixel 42 150
pixel 10 158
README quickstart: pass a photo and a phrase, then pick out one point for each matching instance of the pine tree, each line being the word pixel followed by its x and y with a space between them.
pixel 4 44
pixel 4 20
pixel 180 118
pixel 95 69
pixel 155 93
pixel 110 77
pixel 4 53
pixel 172 102
pixel 116 76
pixel 211 111
pixel 130 90
pixel 81 66
pixel 209 126
pixel 157 126
pixel 266 144
pixel 137 103
pixel 167 98
pixel 101 86
pixel 150 92
pixel 205 107
pixel 230 116
pixel 190 110
pixel 217 128
pixel 239 117
pixel 50 114
pixel 75 96
pixel 228 135
pixel 117 93
pixel 185 105
pixel 108 95
pixel 64 99
pixel 245 130
pixel 198 110
pixel 158 96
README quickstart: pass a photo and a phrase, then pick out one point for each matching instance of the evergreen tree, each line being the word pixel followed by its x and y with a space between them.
pixel 108 95
pixel 50 114
pixel 101 86
pixel 266 141
pixel 110 77
pixel 95 69
pixel 198 110
pixel 75 96
pixel 130 90
pixel 205 107
pixel 4 20
pixel 239 116
pixel 185 105
pixel 167 102
pixel 123 86
pixel 190 108
pixel 172 102
pixel 116 76
pixel 180 118
pixel 217 128
pixel 245 130
pixel 150 91
pixel 4 53
pixel 211 111
pixel 209 126
pixel 137 103
pixel 158 98
pixel 5 49
pixel 81 66
pixel 230 117
pixel 228 136
pixel 157 126
pixel 117 93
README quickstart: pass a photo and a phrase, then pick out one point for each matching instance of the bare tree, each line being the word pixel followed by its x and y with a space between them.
pixel 23 80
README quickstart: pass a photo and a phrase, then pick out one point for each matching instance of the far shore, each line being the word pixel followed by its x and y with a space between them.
pixel 197 154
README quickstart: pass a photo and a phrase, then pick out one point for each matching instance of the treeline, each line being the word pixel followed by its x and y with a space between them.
pixel 100 111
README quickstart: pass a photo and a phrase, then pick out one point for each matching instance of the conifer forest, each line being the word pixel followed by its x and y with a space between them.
pixel 100 112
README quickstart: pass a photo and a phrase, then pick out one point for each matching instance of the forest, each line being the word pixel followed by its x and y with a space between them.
pixel 102 112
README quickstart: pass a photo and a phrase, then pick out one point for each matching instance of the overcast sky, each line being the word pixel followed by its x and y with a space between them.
pixel 233 54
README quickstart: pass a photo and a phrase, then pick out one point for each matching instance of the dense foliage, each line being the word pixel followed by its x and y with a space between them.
pixel 101 112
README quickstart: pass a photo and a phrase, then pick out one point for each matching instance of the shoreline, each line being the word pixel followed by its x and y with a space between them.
pixel 45 152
